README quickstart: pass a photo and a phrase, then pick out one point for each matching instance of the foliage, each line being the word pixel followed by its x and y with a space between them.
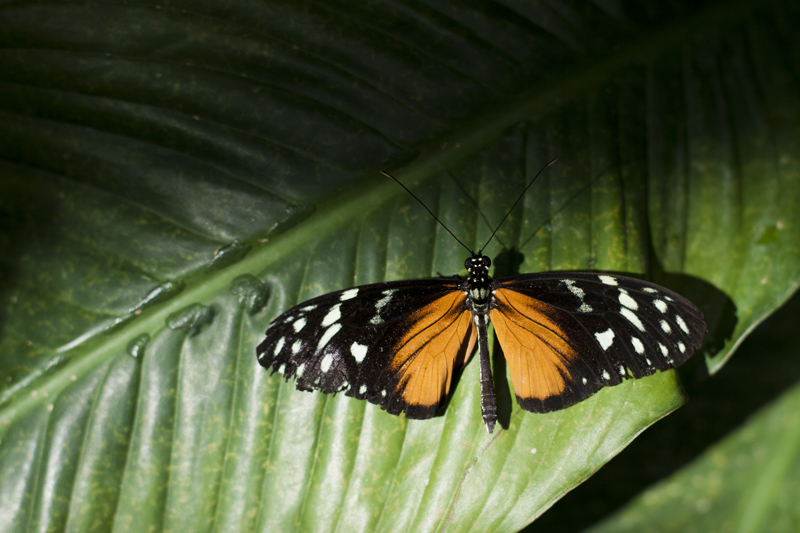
pixel 175 175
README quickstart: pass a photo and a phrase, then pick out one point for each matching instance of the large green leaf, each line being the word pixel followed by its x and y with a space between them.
pixel 175 175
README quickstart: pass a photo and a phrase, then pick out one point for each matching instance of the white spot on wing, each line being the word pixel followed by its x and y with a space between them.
pixel 349 294
pixel 387 296
pixel 296 346
pixel 574 289
pixel 328 335
pixel 362 390
pixel 308 308
pixel 279 345
pixel 359 352
pixel 332 317
pixel 282 368
pixel 637 345
pixel 608 280
pixel 326 363
pixel 651 290
pixel 627 301
pixel 300 324
pixel 606 375
pixel 584 381
pixel 664 350
pixel 580 293
pixel 300 369
pixel 665 326
pixel 682 347
pixel 606 338
pixel 661 305
pixel 632 318
pixel 379 305
pixel 383 393
pixel 682 324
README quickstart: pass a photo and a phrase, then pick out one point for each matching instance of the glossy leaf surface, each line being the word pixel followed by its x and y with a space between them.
pixel 175 175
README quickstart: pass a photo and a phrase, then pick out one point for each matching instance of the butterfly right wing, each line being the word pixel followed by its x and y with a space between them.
pixel 395 344
pixel 565 335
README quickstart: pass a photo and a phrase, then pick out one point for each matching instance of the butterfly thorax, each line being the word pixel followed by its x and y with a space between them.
pixel 479 283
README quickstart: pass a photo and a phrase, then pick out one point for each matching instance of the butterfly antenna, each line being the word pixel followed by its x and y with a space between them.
pixel 563 207
pixel 428 210
pixel 475 204
pixel 515 204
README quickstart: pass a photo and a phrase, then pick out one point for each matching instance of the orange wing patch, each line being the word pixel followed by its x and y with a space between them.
pixel 440 337
pixel 536 348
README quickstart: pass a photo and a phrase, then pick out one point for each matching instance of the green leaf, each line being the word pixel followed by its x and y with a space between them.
pixel 176 175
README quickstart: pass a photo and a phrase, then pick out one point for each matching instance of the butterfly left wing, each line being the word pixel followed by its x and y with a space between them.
pixel 395 344
pixel 566 335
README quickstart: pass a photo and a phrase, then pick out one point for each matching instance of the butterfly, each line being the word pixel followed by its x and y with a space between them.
pixel 564 335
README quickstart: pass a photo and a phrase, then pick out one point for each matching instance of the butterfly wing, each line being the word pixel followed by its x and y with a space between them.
pixel 566 335
pixel 395 344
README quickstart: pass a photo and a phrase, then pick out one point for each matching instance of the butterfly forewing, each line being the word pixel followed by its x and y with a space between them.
pixel 395 344
pixel 566 335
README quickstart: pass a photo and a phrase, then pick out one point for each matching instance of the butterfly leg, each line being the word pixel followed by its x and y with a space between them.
pixel 488 400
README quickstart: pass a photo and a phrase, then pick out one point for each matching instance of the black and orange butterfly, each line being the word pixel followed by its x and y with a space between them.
pixel 564 335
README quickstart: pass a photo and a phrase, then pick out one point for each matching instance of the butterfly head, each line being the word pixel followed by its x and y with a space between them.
pixel 477 264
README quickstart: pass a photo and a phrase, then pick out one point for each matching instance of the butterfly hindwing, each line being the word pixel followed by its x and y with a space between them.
pixel 565 335
pixel 395 344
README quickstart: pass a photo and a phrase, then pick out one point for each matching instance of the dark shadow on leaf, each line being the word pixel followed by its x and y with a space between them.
pixel 28 220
